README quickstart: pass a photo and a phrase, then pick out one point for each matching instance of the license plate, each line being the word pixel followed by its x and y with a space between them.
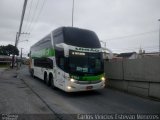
pixel 89 87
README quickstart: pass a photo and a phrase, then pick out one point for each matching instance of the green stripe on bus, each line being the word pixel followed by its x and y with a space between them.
pixel 87 78
pixel 48 52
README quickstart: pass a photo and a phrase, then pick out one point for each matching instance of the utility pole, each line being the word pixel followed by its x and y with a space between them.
pixel 72 13
pixel 23 41
pixel 21 23
pixel 21 53
pixel 159 36
pixel 20 28
pixel 17 37
pixel 21 58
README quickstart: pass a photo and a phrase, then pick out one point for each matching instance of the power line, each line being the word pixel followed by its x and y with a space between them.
pixel 140 47
pixel 33 16
pixel 137 48
pixel 38 15
pixel 29 13
pixel 134 35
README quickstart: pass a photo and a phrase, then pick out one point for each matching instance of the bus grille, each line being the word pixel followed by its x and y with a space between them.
pixel 89 82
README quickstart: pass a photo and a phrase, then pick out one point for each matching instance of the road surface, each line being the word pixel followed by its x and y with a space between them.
pixel 20 93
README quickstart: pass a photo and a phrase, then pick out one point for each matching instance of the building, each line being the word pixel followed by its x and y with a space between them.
pixel 5 58
pixel 130 55
pixel 151 54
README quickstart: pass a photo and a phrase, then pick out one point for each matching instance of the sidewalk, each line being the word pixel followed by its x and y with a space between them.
pixel 16 97
pixel 7 73
pixel 2 69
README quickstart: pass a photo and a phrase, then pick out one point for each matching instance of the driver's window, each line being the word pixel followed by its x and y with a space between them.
pixel 61 62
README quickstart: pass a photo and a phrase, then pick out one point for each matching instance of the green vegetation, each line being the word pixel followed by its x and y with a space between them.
pixel 8 50
pixel 4 65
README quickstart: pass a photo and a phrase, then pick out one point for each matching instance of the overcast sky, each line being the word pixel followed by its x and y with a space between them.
pixel 125 25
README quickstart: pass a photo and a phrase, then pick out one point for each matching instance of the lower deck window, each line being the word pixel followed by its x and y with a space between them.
pixel 43 62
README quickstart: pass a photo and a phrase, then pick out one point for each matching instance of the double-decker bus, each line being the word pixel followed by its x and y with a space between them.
pixel 70 59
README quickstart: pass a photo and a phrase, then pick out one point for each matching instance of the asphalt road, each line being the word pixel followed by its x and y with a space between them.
pixel 22 94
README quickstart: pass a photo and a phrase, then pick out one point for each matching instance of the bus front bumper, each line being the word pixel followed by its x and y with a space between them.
pixel 74 87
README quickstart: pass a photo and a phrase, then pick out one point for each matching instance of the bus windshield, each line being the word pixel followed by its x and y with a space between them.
pixel 82 63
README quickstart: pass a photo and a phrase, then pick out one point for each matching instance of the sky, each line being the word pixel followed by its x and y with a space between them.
pixel 125 25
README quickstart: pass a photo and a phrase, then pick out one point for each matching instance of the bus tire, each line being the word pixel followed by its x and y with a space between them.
pixel 49 80
pixel 52 82
pixel 45 77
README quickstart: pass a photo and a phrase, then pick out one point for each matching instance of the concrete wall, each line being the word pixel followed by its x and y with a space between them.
pixel 139 76
pixel 114 70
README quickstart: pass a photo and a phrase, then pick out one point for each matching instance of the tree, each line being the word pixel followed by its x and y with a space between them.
pixel 8 50
pixel 2 51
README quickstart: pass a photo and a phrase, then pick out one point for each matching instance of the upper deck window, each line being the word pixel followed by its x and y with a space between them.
pixel 81 38
pixel 76 37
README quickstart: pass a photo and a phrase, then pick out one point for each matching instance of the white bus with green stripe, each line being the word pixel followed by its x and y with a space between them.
pixel 70 59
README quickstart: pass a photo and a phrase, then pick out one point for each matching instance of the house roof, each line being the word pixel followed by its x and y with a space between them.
pixel 5 56
pixel 126 55
pixel 152 53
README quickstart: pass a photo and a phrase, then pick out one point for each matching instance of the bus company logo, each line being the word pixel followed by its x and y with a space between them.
pixel 46 52
pixel 87 49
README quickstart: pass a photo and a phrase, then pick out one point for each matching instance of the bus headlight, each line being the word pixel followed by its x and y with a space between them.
pixel 69 87
pixel 72 80
pixel 103 78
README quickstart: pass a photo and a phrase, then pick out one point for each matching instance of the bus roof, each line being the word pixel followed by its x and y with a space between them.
pixel 78 37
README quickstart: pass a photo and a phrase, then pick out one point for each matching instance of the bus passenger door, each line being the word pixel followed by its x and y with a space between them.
pixel 60 81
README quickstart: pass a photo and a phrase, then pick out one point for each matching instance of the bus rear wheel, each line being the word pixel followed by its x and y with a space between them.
pixel 45 78
pixel 52 83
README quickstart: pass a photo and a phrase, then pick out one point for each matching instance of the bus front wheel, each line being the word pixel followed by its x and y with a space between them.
pixel 52 83
pixel 45 78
